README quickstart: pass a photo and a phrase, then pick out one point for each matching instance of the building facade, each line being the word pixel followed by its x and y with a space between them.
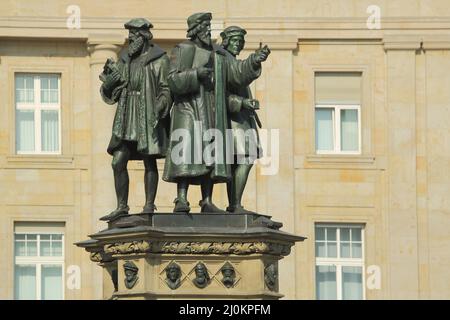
pixel 359 92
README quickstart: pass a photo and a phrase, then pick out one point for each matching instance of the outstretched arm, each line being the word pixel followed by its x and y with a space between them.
pixel 244 72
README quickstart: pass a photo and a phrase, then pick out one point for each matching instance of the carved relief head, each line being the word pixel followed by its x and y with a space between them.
pixel 131 277
pixel 173 275
pixel 228 274
pixel 201 276
pixel 271 276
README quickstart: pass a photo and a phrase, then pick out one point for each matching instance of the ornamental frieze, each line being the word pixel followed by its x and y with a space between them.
pixel 174 247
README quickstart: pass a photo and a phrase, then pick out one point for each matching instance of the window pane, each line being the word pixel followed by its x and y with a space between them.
pixel 331 234
pixel 326 283
pixel 352 283
pixel 324 129
pixel 349 130
pixel 49 89
pixel 345 250
pixel 50 130
pixel 31 236
pixel 44 82
pixel 320 233
pixel 331 250
pixel 57 236
pixel 45 237
pixel 320 249
pixel 24 88
pixel 57 248
pixel 345 234
pixel 45 249
pixel 20 82
pixel 54 82
pixel 51 286
pixel 20 249
pixel 356 234
pixel 32 248
pixel 19 237
pixel 25 282
pixel 356 250
pixel 24 130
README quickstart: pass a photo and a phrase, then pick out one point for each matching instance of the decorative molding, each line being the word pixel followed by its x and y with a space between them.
pixel 176 247
pixel 175 29
pixel 336 161
pixel 275 42
pixel 437 42
pixel 140 246
pixel 402 42
pixel 116 39
pixel 100 257
pixel 40 161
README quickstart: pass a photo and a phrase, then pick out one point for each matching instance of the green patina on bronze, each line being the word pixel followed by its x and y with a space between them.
pixel 244 122
pixel 137 82
pixel 199 76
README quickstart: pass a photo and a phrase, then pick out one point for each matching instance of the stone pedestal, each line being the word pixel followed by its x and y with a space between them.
pixel 191 256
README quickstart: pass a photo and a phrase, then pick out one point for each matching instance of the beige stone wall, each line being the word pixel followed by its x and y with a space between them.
pixel 398 187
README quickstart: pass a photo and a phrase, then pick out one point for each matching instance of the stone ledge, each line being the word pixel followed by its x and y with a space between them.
pixel 313 161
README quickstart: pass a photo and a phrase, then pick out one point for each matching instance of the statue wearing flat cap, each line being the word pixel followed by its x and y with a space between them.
pixel 137 82
pixel 199 75
pixel 244 122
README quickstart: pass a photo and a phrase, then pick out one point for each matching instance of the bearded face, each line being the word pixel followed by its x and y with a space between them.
pixel 136 42
pixel 235 44
pixel 204 34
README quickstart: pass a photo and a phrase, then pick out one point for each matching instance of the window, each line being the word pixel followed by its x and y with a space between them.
pixel 38 113
pixel 339 262
pixel 338 113
pixel 39 263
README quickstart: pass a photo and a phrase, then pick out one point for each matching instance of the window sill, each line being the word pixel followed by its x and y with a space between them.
pixel 39 161
pixel 335 161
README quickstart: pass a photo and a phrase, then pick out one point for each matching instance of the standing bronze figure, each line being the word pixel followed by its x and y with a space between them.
pixel 243 121
pixel 198 78
pixel 138 84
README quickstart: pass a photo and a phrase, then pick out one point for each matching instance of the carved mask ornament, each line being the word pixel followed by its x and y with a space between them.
pixel 271 276
pixel 228 274
pixel 131 277
pixel 201 276
pixel 173 275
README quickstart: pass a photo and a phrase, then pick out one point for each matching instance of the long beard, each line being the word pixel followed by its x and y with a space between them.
pixel 205 38
pixel 135 46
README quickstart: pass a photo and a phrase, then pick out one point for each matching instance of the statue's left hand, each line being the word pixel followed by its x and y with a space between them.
pixel 250 104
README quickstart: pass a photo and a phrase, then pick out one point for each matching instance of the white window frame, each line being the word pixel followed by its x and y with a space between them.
pixel 39 260
pixel 336 118
pixel 338 262
pixel 37 107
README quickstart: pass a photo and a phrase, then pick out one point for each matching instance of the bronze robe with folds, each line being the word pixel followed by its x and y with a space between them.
pixel 136 117
pixel 246 142
pixel 206 103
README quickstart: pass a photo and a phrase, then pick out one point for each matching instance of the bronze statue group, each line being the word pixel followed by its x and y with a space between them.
pixel 201 84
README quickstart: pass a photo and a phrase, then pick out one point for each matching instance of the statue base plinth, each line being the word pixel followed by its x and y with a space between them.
pixel 166 255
